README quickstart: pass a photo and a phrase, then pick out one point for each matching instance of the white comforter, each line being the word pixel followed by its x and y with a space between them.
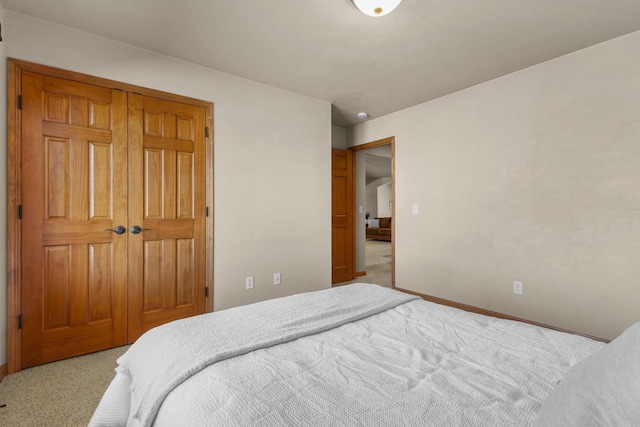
pixel 414 364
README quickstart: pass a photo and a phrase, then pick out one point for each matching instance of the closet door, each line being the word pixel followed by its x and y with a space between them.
pixel 167 183
pixel 74 193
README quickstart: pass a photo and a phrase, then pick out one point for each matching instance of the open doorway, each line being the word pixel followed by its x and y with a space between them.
pixel 374 196
pixel 374 205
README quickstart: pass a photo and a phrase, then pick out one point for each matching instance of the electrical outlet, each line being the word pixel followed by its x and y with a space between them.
pixel 276 278
pixel 517 288
pixel 249 282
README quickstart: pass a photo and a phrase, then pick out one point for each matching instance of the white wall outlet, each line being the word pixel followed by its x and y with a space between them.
pixel 249 282
pixel 276 278
pixel 415 209
pixel 517 288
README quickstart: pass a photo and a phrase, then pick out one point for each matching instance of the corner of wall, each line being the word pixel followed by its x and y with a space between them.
pixel 338 137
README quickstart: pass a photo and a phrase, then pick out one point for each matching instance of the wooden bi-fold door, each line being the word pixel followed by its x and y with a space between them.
pixel 74 294
pixel 113 216
pixel 167 250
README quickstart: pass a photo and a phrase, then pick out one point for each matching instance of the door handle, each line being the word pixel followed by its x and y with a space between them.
pixel 135 229
pixel 118 230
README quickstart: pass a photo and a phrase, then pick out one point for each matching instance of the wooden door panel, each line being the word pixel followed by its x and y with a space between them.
pixel 74 280
pixel 100 281
pixel 185 274
pixel 179 228
pixel 154 188
pixel 184 185
pixel 168 282
pixel 82 133
pixel 185 128
pixel 79 285
pixel 56 107
pixel 167 160
pixel 100 184
pixel 342 226
pixel 56 174
pixel 169 179
pixel 153 274
pixel 84 339
pixel 168 274
pixel 57 278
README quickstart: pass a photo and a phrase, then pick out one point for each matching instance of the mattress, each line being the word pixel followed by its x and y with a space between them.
pixel 413 363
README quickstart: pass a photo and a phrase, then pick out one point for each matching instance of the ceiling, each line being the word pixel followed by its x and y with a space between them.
pixel 327 49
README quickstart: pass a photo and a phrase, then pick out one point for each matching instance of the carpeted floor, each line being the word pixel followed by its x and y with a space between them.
pixel 60 394
pixel 378 265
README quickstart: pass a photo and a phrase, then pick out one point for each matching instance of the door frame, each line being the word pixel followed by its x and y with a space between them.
pixel 373 144
pixel 14 190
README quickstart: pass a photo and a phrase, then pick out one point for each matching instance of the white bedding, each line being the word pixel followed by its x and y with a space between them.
pixel 417 363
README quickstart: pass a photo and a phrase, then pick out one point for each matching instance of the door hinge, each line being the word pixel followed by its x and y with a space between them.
pixel 206 131
pixel 19 102
pixel 206 291
pixel 19 211
pixel 206 211
pixel 19 321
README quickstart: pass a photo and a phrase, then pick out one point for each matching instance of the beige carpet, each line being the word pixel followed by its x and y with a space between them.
pixel 60 394
pixel 378 264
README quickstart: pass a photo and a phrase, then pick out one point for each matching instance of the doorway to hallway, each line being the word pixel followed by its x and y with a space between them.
pixel 374 198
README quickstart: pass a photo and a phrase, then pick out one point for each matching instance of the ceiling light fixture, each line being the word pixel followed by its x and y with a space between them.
pixel 362 115
pixel 376 8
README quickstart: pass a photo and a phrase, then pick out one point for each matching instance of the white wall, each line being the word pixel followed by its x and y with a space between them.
pixel 338 137
pixel 384 199
pixel 532 177
pixel 372 196
pixel 272 160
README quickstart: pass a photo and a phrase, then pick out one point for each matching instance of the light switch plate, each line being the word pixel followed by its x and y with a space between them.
pixel 517 288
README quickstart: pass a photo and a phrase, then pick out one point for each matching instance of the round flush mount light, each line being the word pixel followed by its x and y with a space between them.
pixel 376 8
pixel 362 115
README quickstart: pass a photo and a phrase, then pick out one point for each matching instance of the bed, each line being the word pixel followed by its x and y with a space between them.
pixel 364 355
